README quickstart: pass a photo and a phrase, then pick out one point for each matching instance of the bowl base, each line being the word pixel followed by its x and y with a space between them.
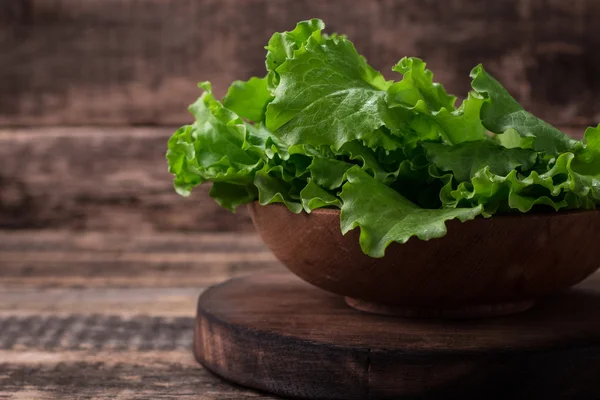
pixel 469 311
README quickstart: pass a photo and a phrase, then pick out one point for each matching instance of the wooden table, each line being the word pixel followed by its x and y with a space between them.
pixel 105 315
pixel 99 279
pixel 83 298
pixel 79 312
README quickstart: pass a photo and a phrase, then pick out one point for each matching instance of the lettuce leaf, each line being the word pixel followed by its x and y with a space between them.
pixel 501 112
pixel 326 95
pixel 231 195
pixel 384 216
pixel 248 99
pixel 212 148
pixel 417 90
pixel 437 116
pixel 328 172
pixel 559 187
pixel 272 189
pixel 314 196
pixel 465 159
pixel 323 129
pixel 283 45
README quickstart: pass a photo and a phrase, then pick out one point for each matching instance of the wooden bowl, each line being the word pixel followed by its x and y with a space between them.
pixel 482 267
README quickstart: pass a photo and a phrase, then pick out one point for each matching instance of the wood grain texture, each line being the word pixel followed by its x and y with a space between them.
pixel 63 259
pixel 534 255
pixel 100 179
pixel 137 62
pixel 168 301
pixel 111 328
pixel 275 332
pixel 101 339
pixel 43 375
pixel 138 333
pixel 103 179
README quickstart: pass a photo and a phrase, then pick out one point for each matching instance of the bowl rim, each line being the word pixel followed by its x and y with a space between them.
pixel 553 214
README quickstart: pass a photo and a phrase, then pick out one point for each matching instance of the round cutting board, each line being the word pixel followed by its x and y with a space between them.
pixel 272 331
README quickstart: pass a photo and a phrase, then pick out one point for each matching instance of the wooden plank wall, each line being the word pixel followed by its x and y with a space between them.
pixel 102 179
pixel 137 61
pixel 125 64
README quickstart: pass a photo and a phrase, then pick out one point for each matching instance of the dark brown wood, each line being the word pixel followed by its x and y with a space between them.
pixel 275 332
pixel 100 179
pixel 476 269
pixel 137 62
pixel 467 311
pixel 103 179
pixel 80 321
pixel 76 376
pixel 63 259
pixel 123 330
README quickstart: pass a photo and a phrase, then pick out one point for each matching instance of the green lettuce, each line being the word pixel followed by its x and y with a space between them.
pixel 326 94
pixel 384 216
pixel 324 129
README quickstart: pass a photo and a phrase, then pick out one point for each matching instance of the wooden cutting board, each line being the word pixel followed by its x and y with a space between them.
pixel 273 332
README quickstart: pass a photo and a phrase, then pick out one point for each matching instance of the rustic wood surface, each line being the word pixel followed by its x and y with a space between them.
pixel 96 315
pixel 99 281
pixel 100 179
pixel 275 332
pixel 103 179
pixel 137 61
